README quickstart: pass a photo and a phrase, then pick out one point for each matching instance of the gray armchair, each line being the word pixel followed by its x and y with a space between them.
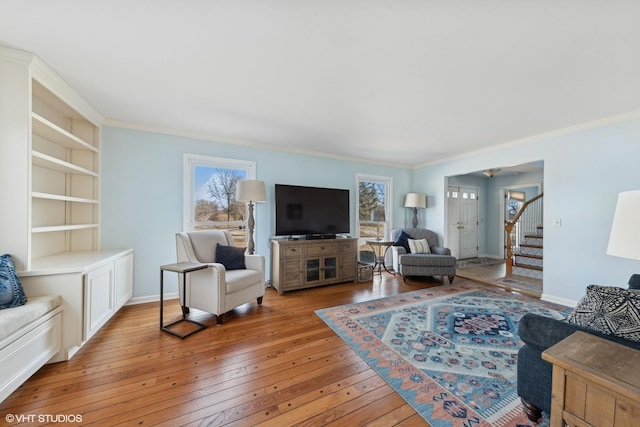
pixel 438 262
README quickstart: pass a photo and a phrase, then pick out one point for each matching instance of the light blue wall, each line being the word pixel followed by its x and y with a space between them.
pixel 142 193
pixel 583 173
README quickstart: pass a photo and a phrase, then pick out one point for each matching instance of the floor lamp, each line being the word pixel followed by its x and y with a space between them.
pixel 624 240
pixel 415 201
pixel 249 190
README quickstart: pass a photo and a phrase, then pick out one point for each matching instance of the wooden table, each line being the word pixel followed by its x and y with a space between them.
pixel 596 382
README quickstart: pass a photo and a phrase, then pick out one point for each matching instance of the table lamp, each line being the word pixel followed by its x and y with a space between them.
pixel 415 201
pixel 624 240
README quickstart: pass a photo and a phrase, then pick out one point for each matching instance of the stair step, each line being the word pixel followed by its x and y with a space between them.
pixel 527 271
pixel 530 261
pixel 532 241
pixel 529 267
pixel 529 250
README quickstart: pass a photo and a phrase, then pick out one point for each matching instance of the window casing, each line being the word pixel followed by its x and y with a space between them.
pixel 373 219
pixel 210 191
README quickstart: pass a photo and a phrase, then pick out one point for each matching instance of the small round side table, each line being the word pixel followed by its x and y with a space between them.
pixel 379 254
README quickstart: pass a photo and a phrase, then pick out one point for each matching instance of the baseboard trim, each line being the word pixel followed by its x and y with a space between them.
pixel 558 300
pixel 151 298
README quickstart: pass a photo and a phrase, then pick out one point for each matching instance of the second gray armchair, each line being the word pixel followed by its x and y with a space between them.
pixel 432 260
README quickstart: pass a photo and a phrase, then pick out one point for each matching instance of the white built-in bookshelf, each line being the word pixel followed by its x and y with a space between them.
pixel 50 215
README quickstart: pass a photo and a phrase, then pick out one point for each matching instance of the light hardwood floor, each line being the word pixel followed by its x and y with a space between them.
pixel 275 365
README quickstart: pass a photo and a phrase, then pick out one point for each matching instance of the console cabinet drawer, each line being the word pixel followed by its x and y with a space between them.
pixel 292 252
pixel 348 247
pixel 324 249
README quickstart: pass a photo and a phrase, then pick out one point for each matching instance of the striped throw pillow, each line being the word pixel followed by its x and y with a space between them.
pixel 419 246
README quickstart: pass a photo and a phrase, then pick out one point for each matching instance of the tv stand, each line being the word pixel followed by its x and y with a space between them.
pixel 300 264
pixel 320 236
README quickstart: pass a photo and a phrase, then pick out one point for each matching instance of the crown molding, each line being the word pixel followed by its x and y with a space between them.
pixel 15 55
pixel 607 121
pixel 244 142
pixel 44 74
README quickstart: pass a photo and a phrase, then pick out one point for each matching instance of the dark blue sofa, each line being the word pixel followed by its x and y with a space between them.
pixel 534 374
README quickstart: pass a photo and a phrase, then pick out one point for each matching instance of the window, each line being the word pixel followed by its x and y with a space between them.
pixel 210 194
pixel 374 213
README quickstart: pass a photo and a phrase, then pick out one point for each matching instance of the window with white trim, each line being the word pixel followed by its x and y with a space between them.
pixel 374 207
pixel 210 194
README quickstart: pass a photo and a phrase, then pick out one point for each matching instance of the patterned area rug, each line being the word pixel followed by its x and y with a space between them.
pixel 475 262
pixel 449 351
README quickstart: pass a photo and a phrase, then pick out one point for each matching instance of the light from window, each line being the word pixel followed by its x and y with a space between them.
pixel 373 219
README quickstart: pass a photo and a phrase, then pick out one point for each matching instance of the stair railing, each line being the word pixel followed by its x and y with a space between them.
pixel 525 222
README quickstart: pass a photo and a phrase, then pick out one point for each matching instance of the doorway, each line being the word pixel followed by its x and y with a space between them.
pixel 513 197
pixel 462 220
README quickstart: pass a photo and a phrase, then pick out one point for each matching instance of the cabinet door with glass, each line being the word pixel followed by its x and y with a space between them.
pixel 320 270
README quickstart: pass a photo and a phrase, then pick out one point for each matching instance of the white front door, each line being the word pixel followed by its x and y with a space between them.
pixel 463 221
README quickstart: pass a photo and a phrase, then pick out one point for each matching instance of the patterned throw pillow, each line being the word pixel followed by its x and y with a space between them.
pixel 11 292
pixel 419 246
pixel 609 310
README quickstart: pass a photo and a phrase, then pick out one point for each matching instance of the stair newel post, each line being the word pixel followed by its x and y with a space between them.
pixel 508 227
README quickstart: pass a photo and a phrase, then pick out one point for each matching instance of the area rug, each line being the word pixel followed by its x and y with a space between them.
pixel 475 262
pixel 449 351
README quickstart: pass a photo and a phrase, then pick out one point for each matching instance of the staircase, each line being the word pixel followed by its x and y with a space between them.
pixel 524 240
pixel 528 257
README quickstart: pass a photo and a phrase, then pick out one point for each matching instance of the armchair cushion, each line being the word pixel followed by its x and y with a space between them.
pixel 204 243
pixel 232 257
pixel 237 280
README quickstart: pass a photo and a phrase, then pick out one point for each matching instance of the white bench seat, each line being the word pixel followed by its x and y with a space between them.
pixel 30 335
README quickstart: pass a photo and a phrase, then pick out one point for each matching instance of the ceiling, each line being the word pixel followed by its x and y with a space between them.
pixel 400 82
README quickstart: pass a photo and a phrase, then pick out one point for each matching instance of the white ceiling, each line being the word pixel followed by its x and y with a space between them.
pixel 402 82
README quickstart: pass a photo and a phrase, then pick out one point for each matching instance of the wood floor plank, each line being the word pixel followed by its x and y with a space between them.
pixel 277 364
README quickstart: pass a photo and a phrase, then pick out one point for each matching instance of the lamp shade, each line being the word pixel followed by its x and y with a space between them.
pixel 624 240
pixel 249 190
pixel 415 200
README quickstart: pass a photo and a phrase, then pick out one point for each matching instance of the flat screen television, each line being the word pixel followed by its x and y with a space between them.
pixel 311 211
